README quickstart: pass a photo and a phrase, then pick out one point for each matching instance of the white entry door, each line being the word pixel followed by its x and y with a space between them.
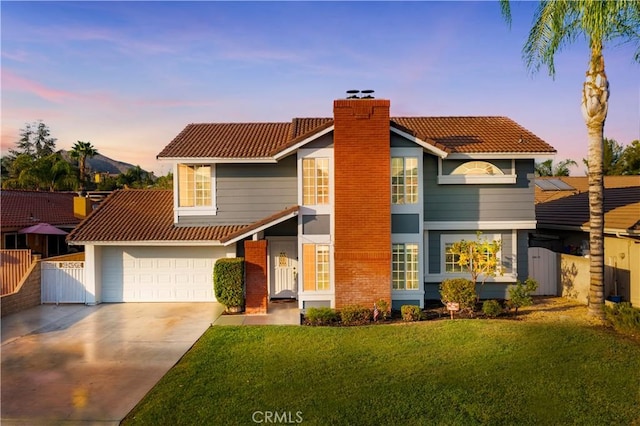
pixel 284 268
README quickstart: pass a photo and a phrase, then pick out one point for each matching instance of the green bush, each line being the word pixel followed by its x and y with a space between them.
pixel 384 312
pixel 410 313
pixel 228 281
pixel 491 308
pixel 520 294
pixel 355 315
pixel 321 316
pixel 459 290
pixel 624 317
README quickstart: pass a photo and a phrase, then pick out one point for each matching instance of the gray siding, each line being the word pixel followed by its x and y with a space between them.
pixel 396 305
pixel 246 193
pixel 398 141
pixel 478 202
pixel 523 255
pixel 405 223
pixel 324 141
pixel 316 224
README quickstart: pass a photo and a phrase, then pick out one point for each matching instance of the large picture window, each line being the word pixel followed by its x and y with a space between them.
pixel 316 267
pixel 451 265
pixel 405 266
pixel 194 185
pixel 315 181
pixel 404 180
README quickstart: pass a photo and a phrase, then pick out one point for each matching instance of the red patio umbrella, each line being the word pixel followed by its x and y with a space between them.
pixel 42 229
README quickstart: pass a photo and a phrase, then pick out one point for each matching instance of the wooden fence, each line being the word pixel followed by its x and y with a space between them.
pixel 13 265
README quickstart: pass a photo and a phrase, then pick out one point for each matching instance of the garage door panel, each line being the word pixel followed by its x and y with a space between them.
pixel 159 274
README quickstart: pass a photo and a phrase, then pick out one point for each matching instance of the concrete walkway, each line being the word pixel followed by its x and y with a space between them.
pixel 279 313
pixel 76 364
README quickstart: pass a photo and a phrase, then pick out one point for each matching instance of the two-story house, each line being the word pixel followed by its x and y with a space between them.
pixel 329 211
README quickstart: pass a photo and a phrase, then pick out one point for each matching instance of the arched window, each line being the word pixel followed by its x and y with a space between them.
pixel 477 168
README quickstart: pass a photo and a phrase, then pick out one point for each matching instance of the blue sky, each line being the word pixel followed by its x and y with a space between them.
pixel 128 76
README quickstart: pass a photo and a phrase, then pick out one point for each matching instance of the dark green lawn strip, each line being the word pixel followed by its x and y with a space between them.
pixel 442 372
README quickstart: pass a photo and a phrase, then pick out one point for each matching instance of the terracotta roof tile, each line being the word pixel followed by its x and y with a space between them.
pixel 20 209
pixel 142 215
pixel 581 184
pixel 259 140
pixel 475 134
pixel 260 223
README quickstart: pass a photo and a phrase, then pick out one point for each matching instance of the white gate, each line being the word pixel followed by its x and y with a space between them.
pixel 63 282
pixel 543 267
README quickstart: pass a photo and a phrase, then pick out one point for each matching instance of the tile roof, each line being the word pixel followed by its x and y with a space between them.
pixel 260 140
pixel 581 184
pixel 146 215
pixel 19 209
pixel 621 205
pixel 475 134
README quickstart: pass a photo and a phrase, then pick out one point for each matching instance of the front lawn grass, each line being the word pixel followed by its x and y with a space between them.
pixel 439 372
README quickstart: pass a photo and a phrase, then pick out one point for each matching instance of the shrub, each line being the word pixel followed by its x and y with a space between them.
pixel 410 313
pixel 491 308
pixel 228 281
pixel 355 315
pixel 321 316
pixel 459 290
pixel 520 294
pixel 384 312
pixel 624 317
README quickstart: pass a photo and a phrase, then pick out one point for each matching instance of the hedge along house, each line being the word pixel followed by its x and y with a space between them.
pixel 328 211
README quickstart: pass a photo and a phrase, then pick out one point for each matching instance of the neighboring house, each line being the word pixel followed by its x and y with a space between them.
pixel 22 209
pixel 329 211
pixel 562 212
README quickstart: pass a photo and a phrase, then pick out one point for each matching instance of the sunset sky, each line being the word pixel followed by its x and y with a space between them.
pixel 128 76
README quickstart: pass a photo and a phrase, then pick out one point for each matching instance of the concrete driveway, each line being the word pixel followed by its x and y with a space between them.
pixel 92 364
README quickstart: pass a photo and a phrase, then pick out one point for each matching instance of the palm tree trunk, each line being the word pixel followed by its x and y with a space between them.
pixel 595 95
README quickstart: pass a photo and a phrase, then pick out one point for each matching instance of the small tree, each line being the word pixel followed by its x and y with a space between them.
pixel 479 257
pixel 520 294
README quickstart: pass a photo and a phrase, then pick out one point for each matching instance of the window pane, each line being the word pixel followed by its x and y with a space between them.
pixel 397 180
pixel 322 183
pixel 451 260
pixel 308 181
pixel 322 262
pixel 194 185
pixel 411 180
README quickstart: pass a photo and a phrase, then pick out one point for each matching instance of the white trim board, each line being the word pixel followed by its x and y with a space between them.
pixel 478 225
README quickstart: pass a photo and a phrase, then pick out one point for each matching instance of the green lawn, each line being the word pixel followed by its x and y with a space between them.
pixel 435 372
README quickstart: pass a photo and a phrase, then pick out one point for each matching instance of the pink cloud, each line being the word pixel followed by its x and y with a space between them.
pixel 11 81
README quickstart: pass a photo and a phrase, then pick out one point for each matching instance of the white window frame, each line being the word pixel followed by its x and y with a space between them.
pixel 195 210
pixel 417 265
pixel 417 207
pixel 508 178
pixel 410 294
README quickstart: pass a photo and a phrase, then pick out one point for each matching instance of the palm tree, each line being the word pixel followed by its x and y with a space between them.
pixel 81 151
pixel 546 168
pixel 557 23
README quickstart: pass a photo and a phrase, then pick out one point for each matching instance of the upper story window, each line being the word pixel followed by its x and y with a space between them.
pixel 194 185
pixel 315 181
pixel 456 172
pixel 477 168
pixel 404 180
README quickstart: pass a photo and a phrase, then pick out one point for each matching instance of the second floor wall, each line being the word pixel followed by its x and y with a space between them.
pixel 248 192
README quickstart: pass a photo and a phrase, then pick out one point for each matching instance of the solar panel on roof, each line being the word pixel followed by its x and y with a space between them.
pixel 545 185
pixel 561 185
pixel 553 185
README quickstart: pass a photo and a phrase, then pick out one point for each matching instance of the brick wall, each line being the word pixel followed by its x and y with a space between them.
pixel 28 293
pixel 362 201
pixel 255 263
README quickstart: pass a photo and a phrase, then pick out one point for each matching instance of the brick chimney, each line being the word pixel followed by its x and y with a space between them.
pixel 362 241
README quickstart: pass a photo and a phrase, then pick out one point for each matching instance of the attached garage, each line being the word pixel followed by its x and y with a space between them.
pixel 159 274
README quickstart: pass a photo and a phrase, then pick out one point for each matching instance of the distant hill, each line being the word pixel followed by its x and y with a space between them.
pixel 100 163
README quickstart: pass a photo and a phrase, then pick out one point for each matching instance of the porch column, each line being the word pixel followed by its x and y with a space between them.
pixel 255 263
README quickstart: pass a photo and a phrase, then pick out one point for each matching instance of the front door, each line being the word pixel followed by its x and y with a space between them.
pixel 284 268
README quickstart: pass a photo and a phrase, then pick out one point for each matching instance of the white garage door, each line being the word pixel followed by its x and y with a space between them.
pixel 159 274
